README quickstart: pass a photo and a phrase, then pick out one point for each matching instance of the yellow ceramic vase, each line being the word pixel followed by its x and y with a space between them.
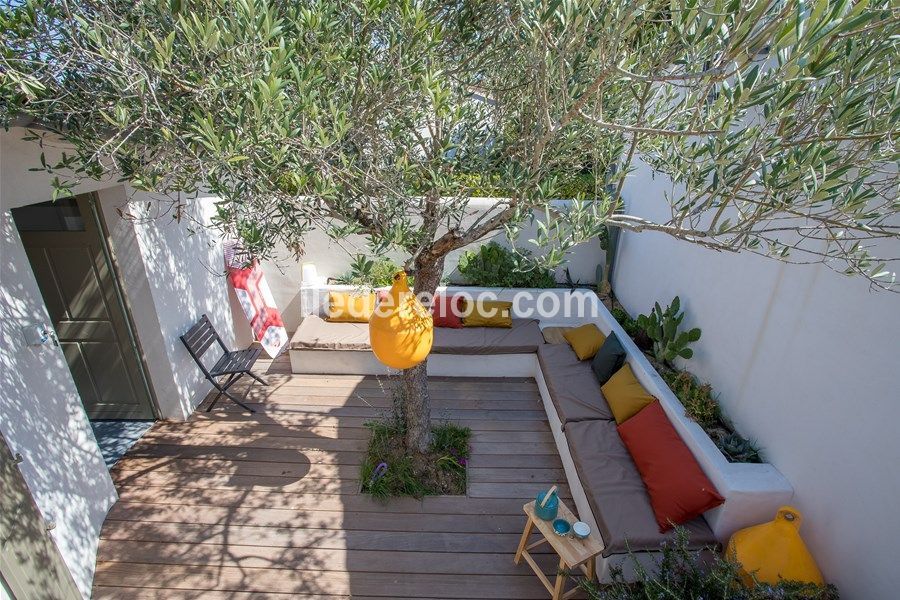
pixel 774 551
pixel 401 330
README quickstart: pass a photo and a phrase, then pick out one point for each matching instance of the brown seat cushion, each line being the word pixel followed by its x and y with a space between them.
pixel 573 387
pixel 523 337
pixel 616 493
pixel 315 333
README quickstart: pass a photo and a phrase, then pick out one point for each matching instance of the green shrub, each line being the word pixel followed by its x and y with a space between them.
pixel 442 470
pixel 662 327
pixel 479 185
pixel 580 185
pixel 681 574
pixel 492 265
pixel 696 398
pixel 577 185
pixel 630 326
pixel 701 406
pixel 370 273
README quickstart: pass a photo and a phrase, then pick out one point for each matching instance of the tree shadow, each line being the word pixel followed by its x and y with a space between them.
pixel 269 503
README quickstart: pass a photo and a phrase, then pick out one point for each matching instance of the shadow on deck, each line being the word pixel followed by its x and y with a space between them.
pixel 239 505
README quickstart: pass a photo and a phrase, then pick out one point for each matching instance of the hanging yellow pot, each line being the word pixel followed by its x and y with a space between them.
pixel 401 330
pixel 774 551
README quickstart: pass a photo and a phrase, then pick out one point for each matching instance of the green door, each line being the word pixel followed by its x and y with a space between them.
pixel 77 279
pixel 30 563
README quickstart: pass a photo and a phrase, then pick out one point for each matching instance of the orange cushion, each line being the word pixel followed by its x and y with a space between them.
pixel 679 490
pixel 350 307
pixel 585 340
pixel 488 313
pixel 625 394
pixel 448 311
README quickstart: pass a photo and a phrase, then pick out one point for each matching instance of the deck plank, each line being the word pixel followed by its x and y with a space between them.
pixel 267 505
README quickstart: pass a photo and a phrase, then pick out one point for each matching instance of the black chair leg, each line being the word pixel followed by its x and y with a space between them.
pixel 257 377
pixel 239 403
pixel 223 389
pixel 216 399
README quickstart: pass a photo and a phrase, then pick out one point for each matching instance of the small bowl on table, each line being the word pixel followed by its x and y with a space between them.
pixel 561 527
pixel 581 530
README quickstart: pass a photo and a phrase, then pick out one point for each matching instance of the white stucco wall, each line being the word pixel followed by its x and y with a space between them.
pixel 805 361
pixel 41 415
pixel 172 272
pixel 333 258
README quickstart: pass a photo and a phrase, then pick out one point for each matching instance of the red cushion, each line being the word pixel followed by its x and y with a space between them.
pixel 447 311
pixel 679 490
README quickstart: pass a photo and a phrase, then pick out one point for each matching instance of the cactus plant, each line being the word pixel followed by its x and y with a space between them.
pixel 662 327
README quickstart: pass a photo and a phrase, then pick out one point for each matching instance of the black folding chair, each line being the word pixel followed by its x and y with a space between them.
pixel 234 363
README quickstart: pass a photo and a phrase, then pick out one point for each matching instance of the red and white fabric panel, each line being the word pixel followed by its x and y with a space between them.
pixel 256 300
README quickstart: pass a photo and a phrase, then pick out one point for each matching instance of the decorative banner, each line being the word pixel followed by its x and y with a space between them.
pixel 256 299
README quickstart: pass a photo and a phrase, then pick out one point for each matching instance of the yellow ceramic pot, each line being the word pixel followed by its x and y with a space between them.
pixel 774 551
pixel 401 330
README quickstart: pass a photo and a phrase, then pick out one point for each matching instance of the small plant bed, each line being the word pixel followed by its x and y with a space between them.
pixel 388 470
pixel 682 573
pixel 368 273
pixel 492 265
pixel 698 399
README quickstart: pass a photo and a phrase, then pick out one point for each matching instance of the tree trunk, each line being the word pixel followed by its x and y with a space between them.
pixel 416 410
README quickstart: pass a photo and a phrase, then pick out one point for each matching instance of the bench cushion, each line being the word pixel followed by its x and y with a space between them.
pixel 573 388
pixel 315 333
pixel 523 337
pixel 616 493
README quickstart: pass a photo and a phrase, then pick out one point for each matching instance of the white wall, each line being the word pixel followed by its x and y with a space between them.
pixel 805 361
pixel 333 259
pixel 172 272
pixel 41 415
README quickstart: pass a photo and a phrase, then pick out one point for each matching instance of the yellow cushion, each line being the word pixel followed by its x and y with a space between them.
pixel 625 394
pixel 488 313
pixel 585 340
pixel 349 307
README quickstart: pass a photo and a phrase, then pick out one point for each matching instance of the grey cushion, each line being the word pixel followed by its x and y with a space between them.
pixel 573 388
pixel 609 358
pixel 523 337
pixel 315 333
pixel 616 493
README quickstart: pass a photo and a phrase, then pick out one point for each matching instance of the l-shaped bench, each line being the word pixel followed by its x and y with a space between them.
pixel 606 487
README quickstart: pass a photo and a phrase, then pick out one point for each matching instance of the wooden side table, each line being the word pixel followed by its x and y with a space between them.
pixel 572 552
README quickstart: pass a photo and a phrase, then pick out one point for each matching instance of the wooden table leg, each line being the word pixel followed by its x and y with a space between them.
pixel 560 580
pixel 524 541
pixel 592 568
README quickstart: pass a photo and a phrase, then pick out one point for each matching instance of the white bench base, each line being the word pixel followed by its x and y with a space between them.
pixel 356 362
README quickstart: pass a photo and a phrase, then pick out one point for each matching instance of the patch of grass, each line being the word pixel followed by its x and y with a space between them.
pixel 441 471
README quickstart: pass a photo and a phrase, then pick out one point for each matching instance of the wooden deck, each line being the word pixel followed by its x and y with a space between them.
pixel 239 505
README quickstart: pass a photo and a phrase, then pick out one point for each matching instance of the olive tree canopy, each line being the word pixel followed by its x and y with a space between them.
pixel 777 120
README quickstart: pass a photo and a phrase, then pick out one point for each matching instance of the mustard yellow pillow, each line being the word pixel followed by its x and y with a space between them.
pixel 625 394
pixel 350 307
pixel 585 340
pixel 488 313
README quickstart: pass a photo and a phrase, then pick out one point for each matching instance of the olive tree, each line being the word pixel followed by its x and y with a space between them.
pixel 777 120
